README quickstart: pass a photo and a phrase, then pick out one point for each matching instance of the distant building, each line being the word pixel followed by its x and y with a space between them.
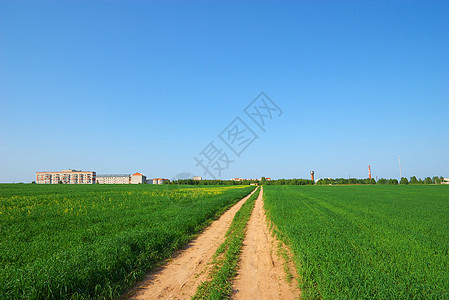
pixel 159 180
pixel 114 179
pixel 137 178
pixel 445 181
pixel 67 177
pixel 197 178
pixel 250 179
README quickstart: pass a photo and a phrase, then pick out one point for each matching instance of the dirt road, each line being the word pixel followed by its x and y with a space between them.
pixel 181 276
pixel 261 274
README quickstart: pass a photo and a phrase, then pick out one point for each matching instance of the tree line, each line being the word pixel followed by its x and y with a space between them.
pixel 413 180
pixel 325 181
pixel 328 181
pixel 262 181
pixel 427 180
pixel 294 181
pixel 212 182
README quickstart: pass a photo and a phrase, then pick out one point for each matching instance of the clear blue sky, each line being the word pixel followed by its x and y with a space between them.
pixel 120 87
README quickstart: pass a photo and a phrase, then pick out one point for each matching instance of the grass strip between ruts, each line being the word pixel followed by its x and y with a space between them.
pixel 226 258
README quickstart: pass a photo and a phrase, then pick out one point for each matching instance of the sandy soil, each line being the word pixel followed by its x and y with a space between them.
pixel 180 277
pixel 261 274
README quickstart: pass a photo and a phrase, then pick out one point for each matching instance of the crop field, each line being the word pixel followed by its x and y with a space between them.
pixel 95 241
pixel 372 242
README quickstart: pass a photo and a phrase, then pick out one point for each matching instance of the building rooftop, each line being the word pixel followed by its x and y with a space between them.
pixel 65 171
pixel 112 175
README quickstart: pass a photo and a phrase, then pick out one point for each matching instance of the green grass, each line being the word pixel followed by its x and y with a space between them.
pixel 225 263
pixel 365 242
pixel 95 241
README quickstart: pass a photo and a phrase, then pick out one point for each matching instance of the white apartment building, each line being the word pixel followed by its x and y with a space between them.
pixel 114 179
pixel 137 178
pixel 66 176
pixel 159 180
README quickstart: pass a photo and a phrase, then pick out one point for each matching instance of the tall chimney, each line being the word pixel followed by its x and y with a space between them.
pixel 312 173
pixel 369 171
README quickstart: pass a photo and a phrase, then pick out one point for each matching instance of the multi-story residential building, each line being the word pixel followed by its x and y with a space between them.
pixel 114 179
pixel 197 178
pixel 66 176
pixel 159 180
pixel 137 178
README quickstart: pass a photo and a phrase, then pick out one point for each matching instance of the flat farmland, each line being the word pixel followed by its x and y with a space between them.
pixel 372 242
pixel 95 241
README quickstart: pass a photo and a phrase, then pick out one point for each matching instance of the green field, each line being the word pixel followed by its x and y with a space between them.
pixel 84 241
pixel 365 242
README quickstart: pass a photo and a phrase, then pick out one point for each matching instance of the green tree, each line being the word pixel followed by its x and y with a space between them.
pixel 352 181
pixel 413 180
pixel 404 180
pixel 428 180
pixel 436 180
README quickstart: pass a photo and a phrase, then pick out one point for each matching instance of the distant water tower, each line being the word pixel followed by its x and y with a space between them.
pixel 369 171
pixel 312 175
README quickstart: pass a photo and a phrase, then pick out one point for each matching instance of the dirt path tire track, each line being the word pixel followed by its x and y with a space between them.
pixel 261 274
pixel 180 277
